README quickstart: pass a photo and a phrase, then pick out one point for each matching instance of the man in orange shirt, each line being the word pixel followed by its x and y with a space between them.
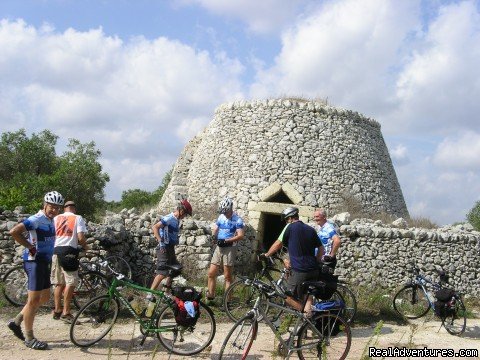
pixel 69 233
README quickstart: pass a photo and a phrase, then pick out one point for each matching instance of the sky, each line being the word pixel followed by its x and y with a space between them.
pixel 141 78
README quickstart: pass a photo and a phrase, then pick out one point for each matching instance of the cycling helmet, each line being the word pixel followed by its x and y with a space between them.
pixel 54 197
pixel 185 205
pixel 225 205
pixel 289 212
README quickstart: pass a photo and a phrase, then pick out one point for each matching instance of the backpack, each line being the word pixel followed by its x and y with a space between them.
pixel 443 304
pixel 187 305
pixel 326 291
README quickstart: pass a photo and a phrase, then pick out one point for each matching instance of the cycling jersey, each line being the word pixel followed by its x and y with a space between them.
pixel 301 241
pixel 325 235
pixel 228 227
pixel 41 232
pixel 169 231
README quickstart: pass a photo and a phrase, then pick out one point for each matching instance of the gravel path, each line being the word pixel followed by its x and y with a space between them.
pixel 123 344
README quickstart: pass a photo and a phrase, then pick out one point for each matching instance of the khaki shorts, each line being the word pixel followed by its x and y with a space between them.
pixel 224 255
pixel 58 276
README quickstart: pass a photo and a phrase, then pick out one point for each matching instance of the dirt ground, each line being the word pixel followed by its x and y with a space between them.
pixel 123 344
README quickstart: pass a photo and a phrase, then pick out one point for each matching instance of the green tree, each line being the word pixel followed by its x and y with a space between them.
pixel 473 216
pixel 29 167
pixel 135 198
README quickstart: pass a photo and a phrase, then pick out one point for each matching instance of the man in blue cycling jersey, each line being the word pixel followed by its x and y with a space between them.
pixel 328 237
pixel 228 230
pixel 166 233
pixel 37 259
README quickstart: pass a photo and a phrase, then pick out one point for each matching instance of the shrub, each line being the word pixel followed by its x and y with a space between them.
pixel 473 216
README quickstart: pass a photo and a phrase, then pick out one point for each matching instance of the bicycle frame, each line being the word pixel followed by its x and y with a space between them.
pixel 259 313
pixel 147 325
pixel 422 282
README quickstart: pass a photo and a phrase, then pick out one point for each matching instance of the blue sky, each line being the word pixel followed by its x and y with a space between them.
pixel 141 78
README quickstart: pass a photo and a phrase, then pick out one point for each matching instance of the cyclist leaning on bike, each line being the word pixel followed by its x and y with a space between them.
pixel 329 239
pixel 301 240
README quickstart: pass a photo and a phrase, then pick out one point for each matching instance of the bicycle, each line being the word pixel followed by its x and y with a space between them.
pixel 115 262
pixel 325 335
pixel 412 301
pixel 15 286
pixel 240 296
pixel 96 319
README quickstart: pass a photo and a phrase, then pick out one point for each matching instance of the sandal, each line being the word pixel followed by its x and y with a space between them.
pixel 207 295
pixel 36 344
pixel 56 315
pixel 17 330
pixel 68 318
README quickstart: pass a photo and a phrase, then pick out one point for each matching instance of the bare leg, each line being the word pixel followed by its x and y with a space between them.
pixel 57 295
pixel 35 299
pixel 67 298
pixel 228 274
pixel 212 280
pixel 156 281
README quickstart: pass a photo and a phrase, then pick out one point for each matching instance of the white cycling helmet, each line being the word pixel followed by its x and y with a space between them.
pixel 289 212
pixel 225 205
pixel 54 197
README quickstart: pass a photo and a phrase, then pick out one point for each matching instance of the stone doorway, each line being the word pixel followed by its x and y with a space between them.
pixel 264 215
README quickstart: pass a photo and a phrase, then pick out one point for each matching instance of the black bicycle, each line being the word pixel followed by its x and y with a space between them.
pixel 413 301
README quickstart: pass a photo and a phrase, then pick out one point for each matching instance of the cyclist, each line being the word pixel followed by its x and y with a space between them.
pixel 228 230
pixel 70 232
pixel 328 237
pixel 301 241
pixel 166 233
pixel 37 258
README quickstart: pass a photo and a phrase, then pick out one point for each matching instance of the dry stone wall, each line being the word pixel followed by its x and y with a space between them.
pixel 372 254
pixel 322 151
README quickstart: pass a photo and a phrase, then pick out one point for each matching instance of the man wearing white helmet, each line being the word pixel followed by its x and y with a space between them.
pixel 228 230
pixel 37 258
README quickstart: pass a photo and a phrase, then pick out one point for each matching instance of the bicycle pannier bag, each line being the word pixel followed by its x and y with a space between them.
pixel 443 296
pixel 325 292
pixel 187 305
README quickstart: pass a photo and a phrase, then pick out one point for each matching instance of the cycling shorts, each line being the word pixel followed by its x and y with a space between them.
pixel 38 274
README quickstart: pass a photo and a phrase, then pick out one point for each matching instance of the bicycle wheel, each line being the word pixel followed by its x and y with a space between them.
pixel 239 299
pixel 91 284
pixel 120 265
pixel 240 338
pixel 183 340
pixel 411 302
pixel 15 286
pixel 456 320
pixel 344 294
pixel 94 320
pixel 328 336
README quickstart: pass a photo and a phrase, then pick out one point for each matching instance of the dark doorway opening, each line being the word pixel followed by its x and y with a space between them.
pixel 281 197
pixel 273 227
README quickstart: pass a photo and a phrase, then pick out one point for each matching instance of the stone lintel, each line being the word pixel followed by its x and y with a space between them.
pixel 270 191
pixel 293 194
pixel 277 208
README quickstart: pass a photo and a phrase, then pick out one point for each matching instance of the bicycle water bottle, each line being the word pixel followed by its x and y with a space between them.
pixel 150 307
pixel 135 306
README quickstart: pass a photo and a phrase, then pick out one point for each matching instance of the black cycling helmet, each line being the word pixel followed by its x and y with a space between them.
pixel 289 212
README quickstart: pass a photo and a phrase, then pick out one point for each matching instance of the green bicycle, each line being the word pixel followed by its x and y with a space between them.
pixel 96 319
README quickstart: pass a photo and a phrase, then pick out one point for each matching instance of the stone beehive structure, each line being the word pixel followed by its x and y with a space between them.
pixel 270 154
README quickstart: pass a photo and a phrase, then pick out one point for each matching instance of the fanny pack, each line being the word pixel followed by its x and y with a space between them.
pixel 67 257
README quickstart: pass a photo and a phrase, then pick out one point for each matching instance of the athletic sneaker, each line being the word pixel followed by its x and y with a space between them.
pixel 36 344
pixel 17 330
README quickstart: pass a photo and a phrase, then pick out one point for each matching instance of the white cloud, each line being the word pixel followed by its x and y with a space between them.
pixel 461 152
pixel 128 97
pixel 263 16
pixel 439 87
pixel 345 51
pixel 399 155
